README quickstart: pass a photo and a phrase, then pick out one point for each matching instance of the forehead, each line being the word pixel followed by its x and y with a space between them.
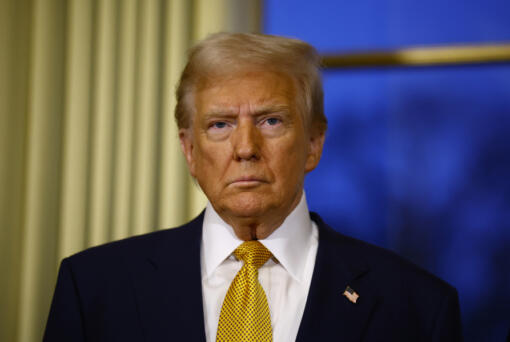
pixel 245 90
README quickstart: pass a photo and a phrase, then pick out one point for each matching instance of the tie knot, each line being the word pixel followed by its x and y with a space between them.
pixel 253 253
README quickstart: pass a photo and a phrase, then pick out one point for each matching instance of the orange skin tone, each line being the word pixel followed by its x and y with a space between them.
pixel 249 148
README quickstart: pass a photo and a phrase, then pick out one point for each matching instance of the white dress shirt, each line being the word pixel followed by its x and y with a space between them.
pixel 285 278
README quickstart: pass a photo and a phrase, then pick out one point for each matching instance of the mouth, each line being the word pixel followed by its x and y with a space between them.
pixel 247 182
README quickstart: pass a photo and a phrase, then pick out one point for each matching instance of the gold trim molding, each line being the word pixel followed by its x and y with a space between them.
pixel 421 56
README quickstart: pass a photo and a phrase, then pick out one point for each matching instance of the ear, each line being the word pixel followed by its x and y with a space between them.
pixel 314 150
pixel 186 139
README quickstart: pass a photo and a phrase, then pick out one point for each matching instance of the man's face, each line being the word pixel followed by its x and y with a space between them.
pixel 248 146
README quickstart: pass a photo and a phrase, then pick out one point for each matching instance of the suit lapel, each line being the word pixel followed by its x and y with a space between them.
pixel 328 313
pixel 168 286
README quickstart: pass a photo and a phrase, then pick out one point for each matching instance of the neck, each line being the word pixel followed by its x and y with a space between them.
pixel 259 227
pixel 253 229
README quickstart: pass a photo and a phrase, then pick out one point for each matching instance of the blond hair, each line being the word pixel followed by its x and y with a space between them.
pixel 230 53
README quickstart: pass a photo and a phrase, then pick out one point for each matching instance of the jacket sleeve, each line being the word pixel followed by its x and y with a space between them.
pixel 65 321
pixel 448 323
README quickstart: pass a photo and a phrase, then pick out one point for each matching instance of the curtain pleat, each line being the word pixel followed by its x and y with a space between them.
pixel 43 169
pixel 173 195
pixel 15 31
pixel 146 118
pixel 125 128
pixel 76 135
pixel 89 150
pixel 103 122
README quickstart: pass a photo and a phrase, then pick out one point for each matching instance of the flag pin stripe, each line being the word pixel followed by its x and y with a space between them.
pixel 351 294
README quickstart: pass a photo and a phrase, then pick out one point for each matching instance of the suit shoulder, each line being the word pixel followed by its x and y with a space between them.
pixel 406 294
pixel 384 263
pixel 387 262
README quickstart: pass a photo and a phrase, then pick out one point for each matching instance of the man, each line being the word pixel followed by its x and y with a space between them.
pixel 256 265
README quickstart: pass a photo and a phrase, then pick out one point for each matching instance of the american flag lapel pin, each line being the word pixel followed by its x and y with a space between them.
pixel 351 294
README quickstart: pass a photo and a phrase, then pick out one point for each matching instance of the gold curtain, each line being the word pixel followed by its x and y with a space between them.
pixel 88 146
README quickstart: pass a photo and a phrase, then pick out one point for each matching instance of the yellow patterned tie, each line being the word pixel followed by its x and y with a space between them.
pixel 245 313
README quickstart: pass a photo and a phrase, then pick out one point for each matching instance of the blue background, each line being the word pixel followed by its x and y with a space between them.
pixel 417 159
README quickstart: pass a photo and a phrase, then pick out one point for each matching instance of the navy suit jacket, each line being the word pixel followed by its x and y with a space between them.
pixel 148 288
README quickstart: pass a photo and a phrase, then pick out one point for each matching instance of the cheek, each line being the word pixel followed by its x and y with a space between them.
pixel 211 159
pixel 289 163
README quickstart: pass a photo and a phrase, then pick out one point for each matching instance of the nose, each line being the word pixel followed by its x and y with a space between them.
pixel 246 141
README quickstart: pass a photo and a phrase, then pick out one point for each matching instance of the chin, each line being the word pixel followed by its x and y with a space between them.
pixel 248 205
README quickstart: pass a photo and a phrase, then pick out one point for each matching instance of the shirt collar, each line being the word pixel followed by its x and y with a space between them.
pixel 289 243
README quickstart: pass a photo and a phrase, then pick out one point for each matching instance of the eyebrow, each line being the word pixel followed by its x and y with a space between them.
pixel 262 110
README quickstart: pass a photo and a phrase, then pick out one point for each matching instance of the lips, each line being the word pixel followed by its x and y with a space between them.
pixel 248 181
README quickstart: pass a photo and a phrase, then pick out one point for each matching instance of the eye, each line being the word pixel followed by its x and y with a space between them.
pixel 273 121
pixel 219 125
